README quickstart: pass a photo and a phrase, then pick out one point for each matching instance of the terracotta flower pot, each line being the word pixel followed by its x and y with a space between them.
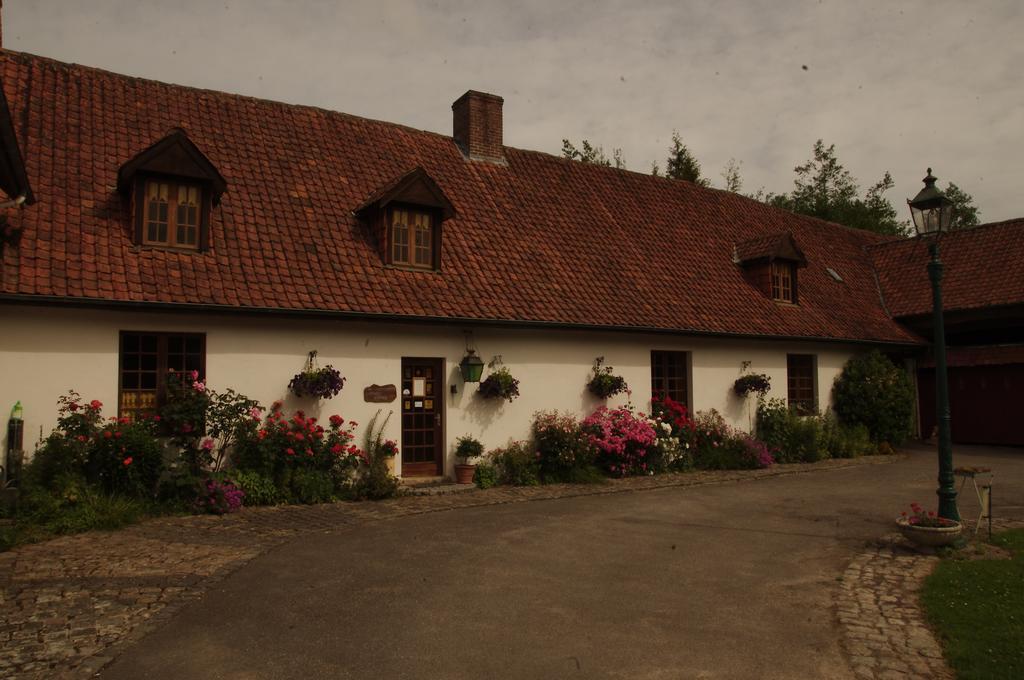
pixel 464 473
pixel 930 536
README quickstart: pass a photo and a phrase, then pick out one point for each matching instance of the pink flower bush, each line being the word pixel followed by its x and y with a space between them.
pixel 219 497
pixel 624 440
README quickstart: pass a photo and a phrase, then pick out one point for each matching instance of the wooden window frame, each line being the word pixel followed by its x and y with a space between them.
pixel 434 216
pixel 778 272
pixel 161 362
pixel 799 399
pixel 140 211
pixel 659 378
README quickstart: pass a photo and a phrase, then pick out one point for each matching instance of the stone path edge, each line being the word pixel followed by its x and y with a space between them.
pixel 885 635
pixel 120 592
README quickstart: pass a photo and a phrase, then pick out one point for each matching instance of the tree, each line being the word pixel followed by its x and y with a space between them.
pixel 588 153
pixel 823 188
pixel 681 164
pixel 731 176
pixel 965 213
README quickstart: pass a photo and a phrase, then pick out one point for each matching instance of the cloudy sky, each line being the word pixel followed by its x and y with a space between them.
pixel 894 85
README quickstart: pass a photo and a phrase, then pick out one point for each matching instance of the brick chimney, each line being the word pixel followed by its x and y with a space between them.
pixel 477 126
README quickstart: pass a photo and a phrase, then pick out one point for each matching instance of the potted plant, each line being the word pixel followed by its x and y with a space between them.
pixel 604 383
pixel 500 384
pixel 466 449
pixel 926 528
pixel 313 381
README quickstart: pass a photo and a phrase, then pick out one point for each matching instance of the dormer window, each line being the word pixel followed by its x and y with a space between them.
pixel 770 264
pixel 172 187
pixel 412 237
pixel 783 280
pixel 406 217
pixel 172 214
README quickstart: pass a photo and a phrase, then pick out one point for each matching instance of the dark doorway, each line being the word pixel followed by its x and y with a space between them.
pixel 422 417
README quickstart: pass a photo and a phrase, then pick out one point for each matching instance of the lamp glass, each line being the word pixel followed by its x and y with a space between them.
pixel 931 211
pixel 471 366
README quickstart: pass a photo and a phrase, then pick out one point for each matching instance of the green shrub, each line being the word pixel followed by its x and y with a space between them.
pixel 517 464
pixel 311 486
pixel 720 447
pixel 873 392
pixel 773 418
pixel 563 449
pixel 76 507
pixel 807 441
pixel 792 438
pixel 179 487
pixel 485 476
pixel 127 458
pixel 59 457
pixel 259 490
pixel 732 451
pixel 845 441
pixel 97 510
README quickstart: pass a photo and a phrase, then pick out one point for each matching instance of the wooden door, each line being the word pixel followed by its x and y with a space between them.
pixel 422 417
pixel 982 403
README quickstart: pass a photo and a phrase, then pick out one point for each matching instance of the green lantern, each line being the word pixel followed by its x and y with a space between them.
pixel 472 366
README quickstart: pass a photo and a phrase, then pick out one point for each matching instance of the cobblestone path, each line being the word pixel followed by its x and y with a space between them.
pixel 66 605
pixel 884 630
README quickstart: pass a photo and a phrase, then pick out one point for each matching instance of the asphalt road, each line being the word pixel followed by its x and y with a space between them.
pixel 728 581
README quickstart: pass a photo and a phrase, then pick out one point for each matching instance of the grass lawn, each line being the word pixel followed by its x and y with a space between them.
pixel 978 608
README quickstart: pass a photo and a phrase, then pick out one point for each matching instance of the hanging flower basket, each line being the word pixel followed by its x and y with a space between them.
pixel 757 383
pixel 313 381
pixel 499 385
pixel 604 383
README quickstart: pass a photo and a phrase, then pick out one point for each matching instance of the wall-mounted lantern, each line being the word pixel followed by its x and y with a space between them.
pixel 472 367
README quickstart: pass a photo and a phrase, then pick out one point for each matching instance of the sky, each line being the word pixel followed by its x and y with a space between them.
pixel 895 86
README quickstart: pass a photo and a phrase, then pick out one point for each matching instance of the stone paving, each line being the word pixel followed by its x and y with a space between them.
pixel 66 605
pixel 884 631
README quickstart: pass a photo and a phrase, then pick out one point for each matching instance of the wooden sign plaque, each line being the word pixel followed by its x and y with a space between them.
pixel 380 394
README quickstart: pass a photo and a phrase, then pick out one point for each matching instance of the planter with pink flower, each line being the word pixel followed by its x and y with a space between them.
pixel 926 528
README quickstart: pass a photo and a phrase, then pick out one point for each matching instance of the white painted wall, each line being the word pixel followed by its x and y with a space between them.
pixel 45 351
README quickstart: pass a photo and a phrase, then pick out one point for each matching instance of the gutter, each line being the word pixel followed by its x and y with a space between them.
pixel 183 308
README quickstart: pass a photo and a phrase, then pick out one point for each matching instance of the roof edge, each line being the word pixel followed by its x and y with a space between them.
pixel 184 308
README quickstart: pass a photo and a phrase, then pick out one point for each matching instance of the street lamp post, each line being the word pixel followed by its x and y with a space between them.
pixel 932 213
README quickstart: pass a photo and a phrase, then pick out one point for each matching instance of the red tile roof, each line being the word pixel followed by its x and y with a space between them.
pixel 983 267
pixel 539 239
pixel 769 247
